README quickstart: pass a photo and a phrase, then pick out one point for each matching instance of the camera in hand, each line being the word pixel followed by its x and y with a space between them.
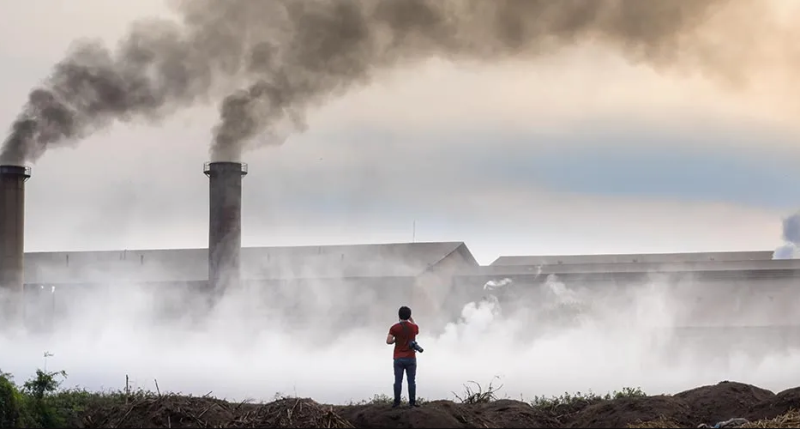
pixel 413 345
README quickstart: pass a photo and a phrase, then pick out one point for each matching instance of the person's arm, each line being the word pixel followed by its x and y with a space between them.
pixel 390 339
pixel 416 327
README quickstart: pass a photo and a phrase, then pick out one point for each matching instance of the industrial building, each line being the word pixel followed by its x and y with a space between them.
pixel 371 280
pixel 438 279
pixel 741 290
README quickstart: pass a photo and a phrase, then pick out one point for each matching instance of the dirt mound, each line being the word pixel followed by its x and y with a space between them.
pixel 780 404
pixel 172 411
pixel 723 401
pixel 788 420
pixel 290 413
pixel 161 411
pixel 564 413
pixel 624 411
pixel 707 404
pixel 514 414
pixel 658 423
pixel 436 414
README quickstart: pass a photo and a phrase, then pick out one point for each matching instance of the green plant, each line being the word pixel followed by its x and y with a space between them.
pixel 43 383
pixel 629 392
pixel 578 398
pixel 383 399
pixel 38 408
pixel 9 408
pixel 478 395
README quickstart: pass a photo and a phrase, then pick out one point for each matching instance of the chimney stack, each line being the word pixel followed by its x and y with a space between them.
pixel 12 240
pixel 225 224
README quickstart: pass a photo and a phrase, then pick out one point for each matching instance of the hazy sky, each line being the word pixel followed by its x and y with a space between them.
pixel 577 153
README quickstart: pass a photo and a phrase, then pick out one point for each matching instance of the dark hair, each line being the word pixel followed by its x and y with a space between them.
pixel 404 313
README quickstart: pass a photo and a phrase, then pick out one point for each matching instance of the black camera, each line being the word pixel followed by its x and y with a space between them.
pixel 415 346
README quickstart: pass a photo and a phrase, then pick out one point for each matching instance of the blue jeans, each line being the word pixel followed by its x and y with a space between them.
pixel 409 365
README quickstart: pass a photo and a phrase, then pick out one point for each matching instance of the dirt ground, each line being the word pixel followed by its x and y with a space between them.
pixel 707 404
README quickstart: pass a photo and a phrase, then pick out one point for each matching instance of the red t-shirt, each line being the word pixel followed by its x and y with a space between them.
pixel 402 336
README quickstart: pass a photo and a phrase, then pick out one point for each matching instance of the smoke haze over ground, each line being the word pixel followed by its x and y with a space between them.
pixel 253 350
pixel 272 61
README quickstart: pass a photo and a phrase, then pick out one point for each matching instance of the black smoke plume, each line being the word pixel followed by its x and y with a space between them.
pixel 278 58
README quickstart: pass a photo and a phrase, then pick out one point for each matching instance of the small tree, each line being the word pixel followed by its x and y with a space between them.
pixel 39 410
pixel 9 408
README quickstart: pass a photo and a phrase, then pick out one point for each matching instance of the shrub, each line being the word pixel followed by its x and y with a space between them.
pixel 9 406
pixel 578 398
pixel 478 395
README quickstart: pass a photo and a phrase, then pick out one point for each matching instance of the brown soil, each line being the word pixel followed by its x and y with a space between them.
pixel 780 404
pixel 707 404
pixel 172 411
pixel 621 412
pixel 723 401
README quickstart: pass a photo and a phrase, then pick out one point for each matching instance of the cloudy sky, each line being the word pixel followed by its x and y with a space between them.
pixel 576 153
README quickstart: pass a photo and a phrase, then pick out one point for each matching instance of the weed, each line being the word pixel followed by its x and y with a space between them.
pixel 383 399
pixel 478 395
pixel 583 399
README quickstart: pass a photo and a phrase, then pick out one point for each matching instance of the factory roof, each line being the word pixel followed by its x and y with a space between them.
pixel 701 266
pixel 649 258
pixel 261 263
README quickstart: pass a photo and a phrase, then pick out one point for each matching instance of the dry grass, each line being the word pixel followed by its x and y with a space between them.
pixel 788 420
pixel 660 422
pixel 478 395
pixel 292 413
pixel 173 411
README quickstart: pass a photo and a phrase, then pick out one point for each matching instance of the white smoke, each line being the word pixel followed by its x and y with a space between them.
pixel 787 251
pixel 496 284
pixel 791 235
pixel 568 338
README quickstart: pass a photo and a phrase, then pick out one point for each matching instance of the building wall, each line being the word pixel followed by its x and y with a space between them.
pixel 432 289
pixel 333 302
pixel 634 258
pixel 706 292
pixel 684 299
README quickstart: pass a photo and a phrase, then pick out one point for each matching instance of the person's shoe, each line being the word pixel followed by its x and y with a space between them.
pixel 395 405
pixel 413 405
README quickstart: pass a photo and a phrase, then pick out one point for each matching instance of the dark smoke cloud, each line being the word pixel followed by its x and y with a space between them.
pixel 791 229
pixel 286 56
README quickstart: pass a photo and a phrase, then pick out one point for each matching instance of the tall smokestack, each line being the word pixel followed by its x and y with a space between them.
pixel 225 223
pixel 12 239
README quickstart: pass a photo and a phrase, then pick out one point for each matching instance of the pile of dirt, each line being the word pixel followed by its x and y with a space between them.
pixel 502 413
pixel 704 405
pixel 781 404
pixel 653 424
pixel 172 411
pixel 436 414
pixel 161 411
pixel 514 414
pixel 290 413
pixel 723 401
pixel 563 413
pixel 788 420
pixel 624 411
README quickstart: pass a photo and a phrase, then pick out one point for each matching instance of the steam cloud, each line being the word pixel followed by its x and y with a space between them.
pixel 273 60
pixel 791 235
pixel 551 338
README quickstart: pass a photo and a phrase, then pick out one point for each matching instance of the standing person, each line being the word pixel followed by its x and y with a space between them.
pixel 405 357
